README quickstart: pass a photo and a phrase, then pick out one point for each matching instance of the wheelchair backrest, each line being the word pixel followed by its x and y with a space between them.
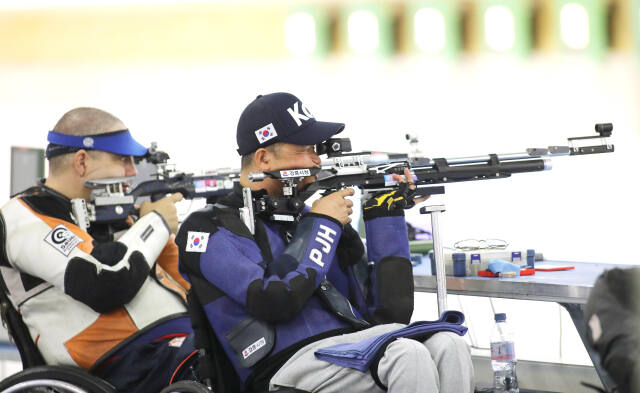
pixel 214 368
pixel 18 332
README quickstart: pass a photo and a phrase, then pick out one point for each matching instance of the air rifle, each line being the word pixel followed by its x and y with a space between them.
pixel 112 200
pixel 372 172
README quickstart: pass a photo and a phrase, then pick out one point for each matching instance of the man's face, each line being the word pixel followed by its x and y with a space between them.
pixel 290 156
pixel 104 165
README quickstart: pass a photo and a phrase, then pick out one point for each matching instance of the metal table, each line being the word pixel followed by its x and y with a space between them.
pixel 568 288
pixel 572 286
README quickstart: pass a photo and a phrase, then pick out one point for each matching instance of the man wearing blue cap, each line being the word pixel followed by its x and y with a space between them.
pixel 278 293
pixel 96 305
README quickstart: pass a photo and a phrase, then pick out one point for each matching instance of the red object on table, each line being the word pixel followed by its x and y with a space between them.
pixel 523 272
pixel 554 268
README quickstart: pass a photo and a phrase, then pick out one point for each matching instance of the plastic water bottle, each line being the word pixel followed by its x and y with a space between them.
pixel 503 357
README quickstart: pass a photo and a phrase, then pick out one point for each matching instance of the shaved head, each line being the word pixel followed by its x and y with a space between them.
pixel 88 121
pixel 81 122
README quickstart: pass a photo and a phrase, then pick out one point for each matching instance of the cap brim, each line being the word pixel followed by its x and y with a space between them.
pixel 119 143
pixel 132 149
pixel 122 144
pixel 315 133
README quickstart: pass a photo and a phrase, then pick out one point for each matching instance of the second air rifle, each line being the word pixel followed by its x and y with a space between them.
pixel 113 200
pixel 373 172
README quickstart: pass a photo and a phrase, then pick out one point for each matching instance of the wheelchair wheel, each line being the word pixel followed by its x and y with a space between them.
pixel 54 379
pixel 186 387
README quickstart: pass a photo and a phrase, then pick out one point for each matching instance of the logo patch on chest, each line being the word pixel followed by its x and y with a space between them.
pixel 62 239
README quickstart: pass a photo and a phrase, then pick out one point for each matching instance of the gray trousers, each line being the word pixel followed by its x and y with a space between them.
pixel 440 364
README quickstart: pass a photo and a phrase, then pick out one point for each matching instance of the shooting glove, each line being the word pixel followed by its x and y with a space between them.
pixel 389 203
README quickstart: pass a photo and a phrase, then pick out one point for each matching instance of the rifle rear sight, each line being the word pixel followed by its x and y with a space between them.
pixel 153 156
pixel 334 147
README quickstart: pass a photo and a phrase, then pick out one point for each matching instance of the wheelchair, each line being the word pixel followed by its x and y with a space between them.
pixel 36 376
pixel 214 371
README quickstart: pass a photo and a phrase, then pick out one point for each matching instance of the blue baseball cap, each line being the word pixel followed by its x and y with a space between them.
pixel 280 117
pixel 117 142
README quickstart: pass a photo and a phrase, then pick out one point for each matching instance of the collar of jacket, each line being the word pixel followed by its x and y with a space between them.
pixel 40 189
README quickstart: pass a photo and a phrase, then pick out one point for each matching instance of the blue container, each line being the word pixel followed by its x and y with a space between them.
pixel 531 259
pixel 459 265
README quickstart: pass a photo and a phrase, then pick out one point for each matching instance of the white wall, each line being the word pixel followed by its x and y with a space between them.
pixel 583 210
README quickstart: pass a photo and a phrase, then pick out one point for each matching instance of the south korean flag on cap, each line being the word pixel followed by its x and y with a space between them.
pixel 197 241
pixel 265 133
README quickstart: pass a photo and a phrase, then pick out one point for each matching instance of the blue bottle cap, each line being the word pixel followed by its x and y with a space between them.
pixel 531 259
pixel 459 267
pixel 500 317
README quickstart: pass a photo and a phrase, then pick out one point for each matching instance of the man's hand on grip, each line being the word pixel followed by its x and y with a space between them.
pixel 335 205
pixel 166 207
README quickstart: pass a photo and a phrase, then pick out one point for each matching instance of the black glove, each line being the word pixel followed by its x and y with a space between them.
pixel 389 203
